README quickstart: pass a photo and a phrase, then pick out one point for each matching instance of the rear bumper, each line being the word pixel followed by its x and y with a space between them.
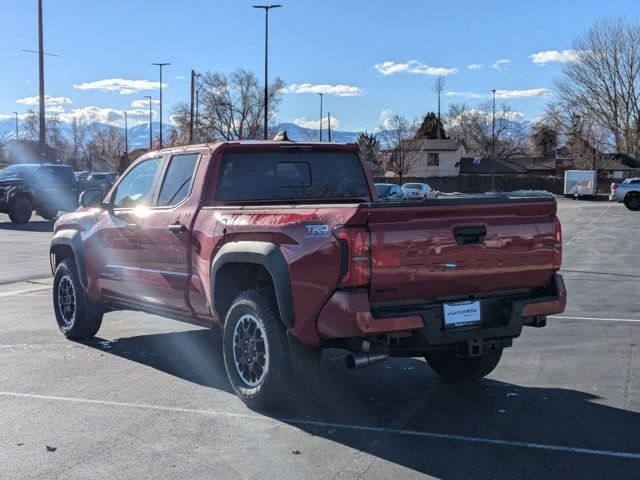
pixel 348 315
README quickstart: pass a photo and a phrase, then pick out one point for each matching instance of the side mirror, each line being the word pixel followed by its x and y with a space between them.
pixel 91 198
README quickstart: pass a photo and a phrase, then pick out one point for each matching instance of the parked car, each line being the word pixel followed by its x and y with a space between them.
pixel 627 192
pixel 45 188
pixel 96 180
pixel 388 192
pixel 282 245
pixel 416 191
pixel 81 175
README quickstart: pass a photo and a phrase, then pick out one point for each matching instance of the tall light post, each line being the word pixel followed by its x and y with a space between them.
pixel 42 146
pixel 266 9
pixel 150 122
pixel 493 141
pixel 126 133
pixel 197 131
pixel 320 116
pixel 161 65
pixel 16 114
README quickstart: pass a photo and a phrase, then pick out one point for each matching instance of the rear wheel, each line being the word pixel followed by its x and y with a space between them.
pixel 48 214
pixel 77 315
pixel 20 210
pixel 452 367
pixel 256 355
pixel 632 202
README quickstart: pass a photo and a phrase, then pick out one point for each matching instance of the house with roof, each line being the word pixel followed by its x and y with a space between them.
pixel 434 158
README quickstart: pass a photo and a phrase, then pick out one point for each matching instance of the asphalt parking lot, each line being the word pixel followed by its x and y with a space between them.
pixel 149 398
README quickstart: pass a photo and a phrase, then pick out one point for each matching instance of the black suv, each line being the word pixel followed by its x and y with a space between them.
pixel 47 189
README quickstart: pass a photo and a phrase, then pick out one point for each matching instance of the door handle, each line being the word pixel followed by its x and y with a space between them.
pixel 470 235
pixel 177 228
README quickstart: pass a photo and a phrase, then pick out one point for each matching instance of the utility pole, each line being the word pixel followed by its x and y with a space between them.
pixel 193 86
pixel 197 132
pixel 493 142
pixel 161 65
pixel 320 116
pixel 42 143
pixel 16 114
pixel 266 9
pixel 126 133
pixel 150 123
pixel 329 125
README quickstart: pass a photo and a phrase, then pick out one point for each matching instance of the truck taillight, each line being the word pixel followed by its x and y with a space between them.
pixel 557 244
pixel 355 256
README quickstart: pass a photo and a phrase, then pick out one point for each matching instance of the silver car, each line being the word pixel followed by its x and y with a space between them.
pixel 388 192
pixel 627 192
pixel 416 191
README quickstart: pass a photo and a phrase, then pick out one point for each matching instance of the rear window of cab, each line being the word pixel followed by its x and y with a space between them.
pixel 291 175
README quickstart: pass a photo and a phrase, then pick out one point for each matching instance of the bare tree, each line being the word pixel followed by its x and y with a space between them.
pixel 397 135
pixel 438 88
pixel 603 81
pixel 370 151
pixel 473 126
pixel 232 105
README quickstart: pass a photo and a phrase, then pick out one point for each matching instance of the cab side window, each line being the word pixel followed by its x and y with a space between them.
pixel 136 187
pixel 177 182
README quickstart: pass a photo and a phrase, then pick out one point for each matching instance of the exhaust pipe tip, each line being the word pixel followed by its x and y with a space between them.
pixel 361 360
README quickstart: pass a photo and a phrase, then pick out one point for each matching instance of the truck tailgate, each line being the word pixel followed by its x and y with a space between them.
pixel 461 247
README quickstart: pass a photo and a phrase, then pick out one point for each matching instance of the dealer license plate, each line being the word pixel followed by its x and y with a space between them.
pixel 461 314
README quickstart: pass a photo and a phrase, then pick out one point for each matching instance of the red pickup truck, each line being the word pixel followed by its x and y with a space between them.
pixel 286 247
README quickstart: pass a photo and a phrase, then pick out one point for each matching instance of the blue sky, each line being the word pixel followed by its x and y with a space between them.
pixel 382 53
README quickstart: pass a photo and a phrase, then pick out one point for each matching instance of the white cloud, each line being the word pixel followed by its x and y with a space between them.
pixel 413 67
pixel 106 115
pixel 384 119
pixel 549 56
pixel 315 124
pixel 144 102
pixel 55 109
pixel 179 77
pixel 504 94
pixel 472 112
pixel 120 85
pixel 7 116
pixel 48 100
pixel 475 66
pixel 339 90
pixel 501 64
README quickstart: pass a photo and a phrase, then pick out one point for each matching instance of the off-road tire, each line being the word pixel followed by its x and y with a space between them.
pixel 452 367
pixel 48 215
pixel 20 210
pixel 78 318
pixel 632 202
pixel 276 380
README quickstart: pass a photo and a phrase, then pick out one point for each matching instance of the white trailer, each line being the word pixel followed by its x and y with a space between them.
pixel 580 183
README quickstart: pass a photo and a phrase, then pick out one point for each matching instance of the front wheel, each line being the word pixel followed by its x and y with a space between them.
pixel 48 215
pixel 452 367
pixel 78 316
pixel 20 210
pixel 256 355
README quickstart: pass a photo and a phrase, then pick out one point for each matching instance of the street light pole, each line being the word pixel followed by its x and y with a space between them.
pixel 42 146
pixel 266 9
pixel 493 142
pixel 16 114
pixel 329 125
pixel 161 65
pixel 320 116
pixel 126 133
pixel 193 85
pixel 197 132
pixel 150 124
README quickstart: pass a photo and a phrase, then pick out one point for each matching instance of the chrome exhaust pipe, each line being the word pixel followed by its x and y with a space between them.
pixel 361 360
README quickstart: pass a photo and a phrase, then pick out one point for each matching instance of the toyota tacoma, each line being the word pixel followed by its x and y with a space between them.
pixel 285 246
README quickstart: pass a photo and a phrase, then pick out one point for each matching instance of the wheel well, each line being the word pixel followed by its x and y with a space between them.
pixel 631 194
pixel 233 278
pixel 24 195
pixel 59 253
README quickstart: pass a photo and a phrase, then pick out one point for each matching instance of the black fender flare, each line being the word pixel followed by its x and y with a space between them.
pixel 72 239
pixel 269 256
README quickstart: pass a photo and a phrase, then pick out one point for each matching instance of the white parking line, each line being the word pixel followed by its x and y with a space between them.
pixel 35 288
pixel 598 319
pixel 342 426
pixel 587 225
